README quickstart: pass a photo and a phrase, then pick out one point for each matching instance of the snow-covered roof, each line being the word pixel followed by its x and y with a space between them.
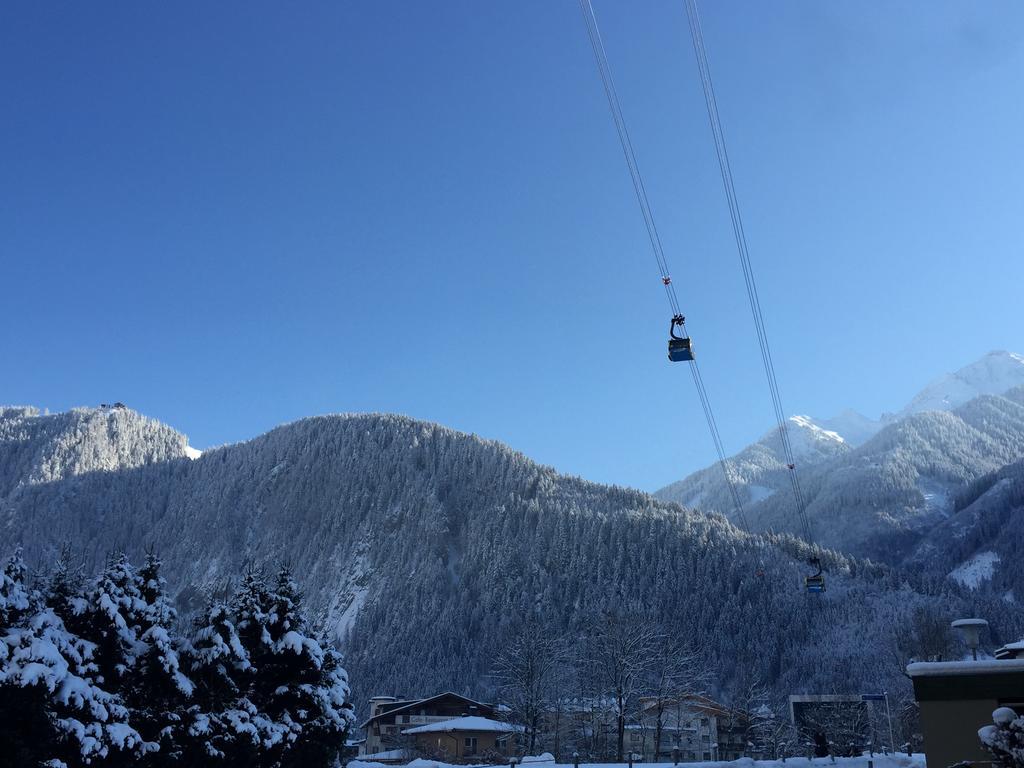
pixel 466 724
pixel 979 667
pixel 406 703
pixel 1011 651
pixel 391 754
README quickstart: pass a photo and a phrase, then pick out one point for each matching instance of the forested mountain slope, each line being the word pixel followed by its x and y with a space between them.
pixel 423 549
pixel 984 537
pixel 758 471
pixel 38 448
pixel 880 499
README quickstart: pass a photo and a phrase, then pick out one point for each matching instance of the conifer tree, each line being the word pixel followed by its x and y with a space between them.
pixel 52 708
pixel 112 619
pixel 306 687
pixel 214 726
pixel 117 688
pixel 159 691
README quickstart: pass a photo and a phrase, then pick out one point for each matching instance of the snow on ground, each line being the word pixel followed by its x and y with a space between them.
pixel 352 596
pixel 877 760
pixel 972 572
pixel 348 616
pixel 937 496
pixel 192 453
pixel 390 754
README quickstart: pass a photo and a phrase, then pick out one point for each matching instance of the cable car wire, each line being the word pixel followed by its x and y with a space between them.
pixel 604 69
pixel 725 167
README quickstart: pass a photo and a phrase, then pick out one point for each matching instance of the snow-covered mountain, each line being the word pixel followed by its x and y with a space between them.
pixel 422 549
pixel 879 486
pixel 758 471
pixel 884 498
pixel 993 374
pixel 44 448
pixel 855 428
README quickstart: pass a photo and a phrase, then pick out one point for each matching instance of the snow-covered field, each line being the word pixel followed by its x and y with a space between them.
pixel 877 761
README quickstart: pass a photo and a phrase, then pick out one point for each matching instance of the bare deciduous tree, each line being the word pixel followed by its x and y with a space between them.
pixel 678 674
pixel 530 672
pixel 619 656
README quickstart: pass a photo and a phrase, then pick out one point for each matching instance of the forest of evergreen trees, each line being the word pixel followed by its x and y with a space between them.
pixel 97 672
pixel 422 551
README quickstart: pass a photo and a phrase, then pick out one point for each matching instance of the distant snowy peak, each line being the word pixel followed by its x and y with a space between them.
pixel 811 440
pixel 807 439
pixel 993 374
pixel 855 428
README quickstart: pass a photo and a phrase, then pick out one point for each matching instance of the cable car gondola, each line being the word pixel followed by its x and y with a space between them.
pixel 815 583
pixel 679 348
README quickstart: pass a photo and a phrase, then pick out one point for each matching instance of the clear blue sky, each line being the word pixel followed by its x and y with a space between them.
pixel 231 215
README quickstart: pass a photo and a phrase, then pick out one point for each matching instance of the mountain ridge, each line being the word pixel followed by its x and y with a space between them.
pixel 423 549
pixel 879 499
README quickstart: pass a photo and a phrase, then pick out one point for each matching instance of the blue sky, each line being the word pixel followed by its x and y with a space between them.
pixel 234 215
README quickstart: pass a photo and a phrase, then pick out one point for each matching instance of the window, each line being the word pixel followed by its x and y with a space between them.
pixel 471 745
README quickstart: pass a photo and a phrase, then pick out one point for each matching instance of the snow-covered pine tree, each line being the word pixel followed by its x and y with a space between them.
pixel 158 692
pixel 112 619
pixel 52 711
pixel 1005 738
pixel 63 590
pixel 300 684
pixel 22 712
pixel 214 726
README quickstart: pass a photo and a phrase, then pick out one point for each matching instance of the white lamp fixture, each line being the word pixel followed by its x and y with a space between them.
pixel 970 631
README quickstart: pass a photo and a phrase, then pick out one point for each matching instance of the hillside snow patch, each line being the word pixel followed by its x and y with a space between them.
pixel 972 572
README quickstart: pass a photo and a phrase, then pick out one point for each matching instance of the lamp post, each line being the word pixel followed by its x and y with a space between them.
pixel 888 714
